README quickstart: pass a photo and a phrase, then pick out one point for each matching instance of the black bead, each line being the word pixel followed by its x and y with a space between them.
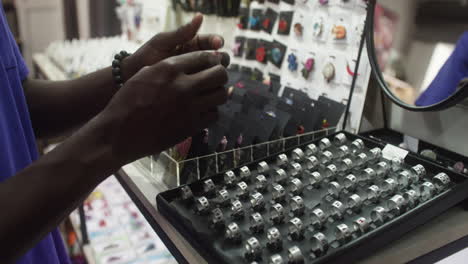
pixel 116 63
pixel 118 79
pixel 123 53
pixel 116 71
pixel 118 57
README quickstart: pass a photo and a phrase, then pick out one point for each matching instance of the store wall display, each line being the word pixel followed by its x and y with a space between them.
pixel 210 7
pixel 254 115
pixel 313 46
pixel 331 201
pixel 117 231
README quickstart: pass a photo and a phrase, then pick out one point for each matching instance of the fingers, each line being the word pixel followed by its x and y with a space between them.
pixel 210 101
pixel 181 35
pixel 195 62
pixel 205 82
pixel 204 42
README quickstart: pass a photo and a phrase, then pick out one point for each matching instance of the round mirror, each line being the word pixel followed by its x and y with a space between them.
pixel 418 51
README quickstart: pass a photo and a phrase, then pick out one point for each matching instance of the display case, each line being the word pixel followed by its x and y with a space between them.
pixel 352 222
pixel 175 173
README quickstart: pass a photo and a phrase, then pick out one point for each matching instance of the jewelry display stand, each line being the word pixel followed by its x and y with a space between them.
pixel 177 172
pixel 386 218
pixel 167 168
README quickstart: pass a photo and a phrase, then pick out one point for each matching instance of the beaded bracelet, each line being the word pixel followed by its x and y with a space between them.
pixel 117 68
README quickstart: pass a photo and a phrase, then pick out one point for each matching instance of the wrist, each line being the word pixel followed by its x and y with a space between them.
pixel 90 149
pixel 130 66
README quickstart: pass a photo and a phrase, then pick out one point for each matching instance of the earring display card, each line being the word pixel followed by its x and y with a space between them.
pixel 261 53
pixel 313 45
pixel 285 20
pixel 276 54
pixel 251 49
pixel 269 20
pixel 243 18
pixel 333 201
pixel 255 20
pixel 238 48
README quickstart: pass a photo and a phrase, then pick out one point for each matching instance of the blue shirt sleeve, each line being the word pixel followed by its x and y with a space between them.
pixel 454 70
pixel 20 64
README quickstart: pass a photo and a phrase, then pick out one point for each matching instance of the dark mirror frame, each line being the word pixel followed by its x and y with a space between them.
pixel 460 95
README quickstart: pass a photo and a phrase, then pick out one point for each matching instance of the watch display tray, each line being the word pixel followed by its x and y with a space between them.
pixel 209 237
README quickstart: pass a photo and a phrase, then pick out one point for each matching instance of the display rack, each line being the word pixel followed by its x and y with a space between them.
pixel 216 250
pixel 437 233
pixel 172 168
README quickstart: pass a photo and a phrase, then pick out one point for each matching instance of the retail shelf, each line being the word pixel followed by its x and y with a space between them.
pixel 45 67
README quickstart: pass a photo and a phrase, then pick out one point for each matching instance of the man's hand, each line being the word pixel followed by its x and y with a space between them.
pixel 53 105
pixel 167 44
pixel 167 102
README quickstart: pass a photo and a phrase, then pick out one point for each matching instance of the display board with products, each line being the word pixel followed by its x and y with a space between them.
pixel 292 73
pixel 312 46
pixel 117 231
pixel 254 115
pixel 330 201
pixel 229 8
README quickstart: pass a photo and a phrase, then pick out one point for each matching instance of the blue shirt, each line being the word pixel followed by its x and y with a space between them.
pixel 17 141
pixel 446 82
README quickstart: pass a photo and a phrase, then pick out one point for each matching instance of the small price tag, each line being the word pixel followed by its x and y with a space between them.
pixel 390 152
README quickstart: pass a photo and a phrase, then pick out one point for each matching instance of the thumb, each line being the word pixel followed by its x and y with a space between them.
pixel 181 35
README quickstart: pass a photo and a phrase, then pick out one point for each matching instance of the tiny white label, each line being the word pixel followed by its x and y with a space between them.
pixel 390 152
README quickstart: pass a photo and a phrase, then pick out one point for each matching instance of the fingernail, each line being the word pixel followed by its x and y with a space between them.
pixel 216 59
pixel 225 59
pixel 218 42
pixel 198 14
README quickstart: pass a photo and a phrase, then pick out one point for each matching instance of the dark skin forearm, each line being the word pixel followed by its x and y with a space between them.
pixel 56 107
pixel 40 196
